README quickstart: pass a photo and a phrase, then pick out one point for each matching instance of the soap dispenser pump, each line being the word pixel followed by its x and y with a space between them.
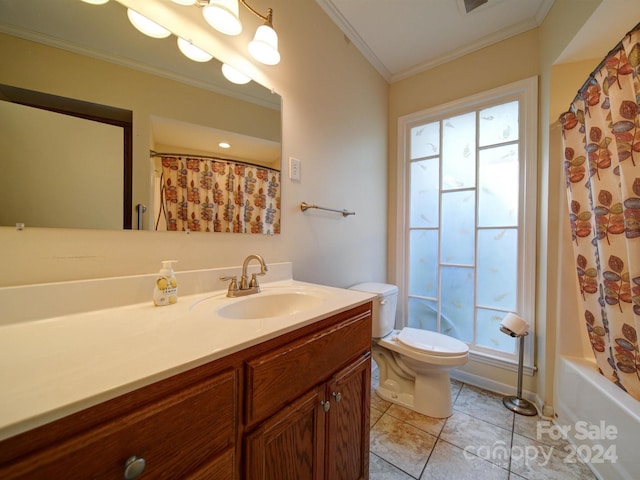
pixel 165 291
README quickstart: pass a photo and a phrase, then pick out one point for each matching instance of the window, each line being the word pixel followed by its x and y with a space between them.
pixel 468 174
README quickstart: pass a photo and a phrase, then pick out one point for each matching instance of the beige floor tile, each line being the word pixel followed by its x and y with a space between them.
pixel 455 387
pixel 428 424
pixel 379 403
pixel 485 405
pixel 537 461
pixel 380 469
pixel 448 462
pixel 374 416
pixel 476 436
pixel 401 444
pixel 541 430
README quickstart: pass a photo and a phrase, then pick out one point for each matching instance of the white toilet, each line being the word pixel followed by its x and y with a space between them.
pixel 414 364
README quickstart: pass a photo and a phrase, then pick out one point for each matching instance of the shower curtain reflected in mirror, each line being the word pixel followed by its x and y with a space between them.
pixel 601 140
pixel 209 195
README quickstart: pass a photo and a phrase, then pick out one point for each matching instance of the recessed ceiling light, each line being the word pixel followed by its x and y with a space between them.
pixel 224 145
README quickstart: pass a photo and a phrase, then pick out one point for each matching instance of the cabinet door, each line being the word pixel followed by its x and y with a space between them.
pixel 289 445
pixel 347 455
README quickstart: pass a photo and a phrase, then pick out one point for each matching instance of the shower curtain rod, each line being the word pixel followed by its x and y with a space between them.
pixel 591 76
pixel 153 153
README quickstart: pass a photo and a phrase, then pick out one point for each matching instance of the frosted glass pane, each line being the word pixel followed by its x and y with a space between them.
pixel 425 140
pixel 457 302
pixel 423 258
pixel 459 152
pixel 499 124
pixel 423 314
pixel 498 192
pixel 489 334
pixel 424 193
pixel 497 268
pixel 458 227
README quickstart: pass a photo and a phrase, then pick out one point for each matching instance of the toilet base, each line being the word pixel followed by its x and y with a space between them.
pixel 427 392
pixel 430 396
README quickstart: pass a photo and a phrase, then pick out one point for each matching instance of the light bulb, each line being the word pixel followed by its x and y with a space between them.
pixel 223 15
pixel 264 46
pixel 234 75
pixel 146 26
pixel 192 52
pixel 96 2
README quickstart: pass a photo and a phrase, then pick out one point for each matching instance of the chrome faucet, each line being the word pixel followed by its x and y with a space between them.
pixel 246 287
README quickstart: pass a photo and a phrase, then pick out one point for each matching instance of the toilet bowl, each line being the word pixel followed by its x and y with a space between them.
pixel 414 364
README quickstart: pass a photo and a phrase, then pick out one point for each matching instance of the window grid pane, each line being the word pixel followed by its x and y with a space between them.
pixel 463 267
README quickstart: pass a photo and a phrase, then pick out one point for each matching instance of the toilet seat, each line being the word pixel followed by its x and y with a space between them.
pixel 433 343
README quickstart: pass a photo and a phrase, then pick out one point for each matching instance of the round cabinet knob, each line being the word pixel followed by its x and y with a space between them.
pixel 134 467
pixel 337 396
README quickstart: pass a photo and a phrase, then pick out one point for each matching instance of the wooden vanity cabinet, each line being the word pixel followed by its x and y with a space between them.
pixel 307 405
pixel 294 407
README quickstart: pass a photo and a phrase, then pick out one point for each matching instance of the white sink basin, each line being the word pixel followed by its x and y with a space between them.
pixel 272 304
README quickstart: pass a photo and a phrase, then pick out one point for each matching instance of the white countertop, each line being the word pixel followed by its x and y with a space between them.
pixel 50 368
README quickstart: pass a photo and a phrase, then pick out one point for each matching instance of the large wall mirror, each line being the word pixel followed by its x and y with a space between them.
pixel 72 172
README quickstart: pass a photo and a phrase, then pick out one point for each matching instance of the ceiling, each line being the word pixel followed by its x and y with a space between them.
pixel 403 37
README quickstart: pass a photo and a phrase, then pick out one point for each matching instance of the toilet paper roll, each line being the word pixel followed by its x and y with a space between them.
pixel 516 324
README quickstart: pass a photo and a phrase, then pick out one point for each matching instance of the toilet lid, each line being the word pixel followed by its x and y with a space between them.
pixel 433 343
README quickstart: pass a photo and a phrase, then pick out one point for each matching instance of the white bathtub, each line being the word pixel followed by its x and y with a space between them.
pixel 593 407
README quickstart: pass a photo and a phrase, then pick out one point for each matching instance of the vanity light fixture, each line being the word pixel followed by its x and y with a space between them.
pixel 264 46
pixel 224 16
pixel 234 75
pixel 146 26
pixel 192 52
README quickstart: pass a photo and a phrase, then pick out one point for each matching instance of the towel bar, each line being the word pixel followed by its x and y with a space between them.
pixel 304 206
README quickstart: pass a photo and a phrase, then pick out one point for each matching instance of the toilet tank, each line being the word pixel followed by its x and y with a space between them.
pixel 384 308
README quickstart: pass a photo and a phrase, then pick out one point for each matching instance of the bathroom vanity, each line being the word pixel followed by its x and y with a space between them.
pixel 288 402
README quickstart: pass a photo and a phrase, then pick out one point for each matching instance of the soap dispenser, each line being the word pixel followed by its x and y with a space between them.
pixel 165 291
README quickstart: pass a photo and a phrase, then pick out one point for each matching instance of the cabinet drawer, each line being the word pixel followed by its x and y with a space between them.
pixel 175 436
pixel 275 379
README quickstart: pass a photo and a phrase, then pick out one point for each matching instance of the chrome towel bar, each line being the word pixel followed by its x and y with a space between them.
pixel 304 206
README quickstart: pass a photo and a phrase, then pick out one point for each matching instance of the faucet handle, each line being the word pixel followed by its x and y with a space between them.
pixel 233 286
pixel 254 280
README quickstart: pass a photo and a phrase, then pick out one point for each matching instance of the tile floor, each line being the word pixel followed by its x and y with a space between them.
pixel 474 443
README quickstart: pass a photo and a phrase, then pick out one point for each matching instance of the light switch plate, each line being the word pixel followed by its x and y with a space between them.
pixel 294 169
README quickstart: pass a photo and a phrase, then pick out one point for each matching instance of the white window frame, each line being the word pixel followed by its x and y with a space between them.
pixel 526 91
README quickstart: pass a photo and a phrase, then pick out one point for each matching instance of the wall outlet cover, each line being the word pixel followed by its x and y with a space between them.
pixel 294 169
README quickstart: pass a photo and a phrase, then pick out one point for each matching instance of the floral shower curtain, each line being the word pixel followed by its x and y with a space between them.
pixel 207 195
pixel 601 135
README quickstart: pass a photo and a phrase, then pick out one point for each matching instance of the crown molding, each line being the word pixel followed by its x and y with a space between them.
pixel 335 15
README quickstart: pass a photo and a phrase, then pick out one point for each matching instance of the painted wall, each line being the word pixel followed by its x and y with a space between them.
pixel 334 121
